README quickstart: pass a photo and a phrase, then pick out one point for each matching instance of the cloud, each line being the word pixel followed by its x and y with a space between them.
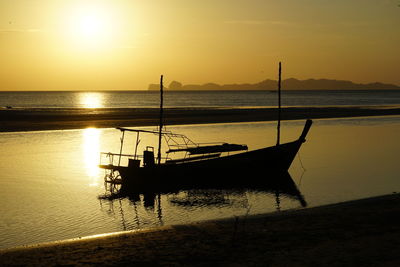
pixel 21 30
pixel 257 22
pixel 128 46
pixel 245 22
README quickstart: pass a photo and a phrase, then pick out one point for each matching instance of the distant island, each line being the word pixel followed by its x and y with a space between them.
pixel 288 84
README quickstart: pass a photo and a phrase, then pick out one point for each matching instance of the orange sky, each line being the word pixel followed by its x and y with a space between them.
pixel 127 44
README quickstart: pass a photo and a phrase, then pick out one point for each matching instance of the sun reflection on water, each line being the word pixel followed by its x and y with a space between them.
pixel 91 151
pixel 91 100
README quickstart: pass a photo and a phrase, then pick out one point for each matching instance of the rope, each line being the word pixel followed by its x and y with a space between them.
pixel 301 163
pixel 302 166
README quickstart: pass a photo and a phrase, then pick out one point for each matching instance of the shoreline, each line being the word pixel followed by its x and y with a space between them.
pixel 357 232
pixel 39 119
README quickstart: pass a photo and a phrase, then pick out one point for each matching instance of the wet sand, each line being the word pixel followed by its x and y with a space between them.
pixel 59 119
pixel 357 233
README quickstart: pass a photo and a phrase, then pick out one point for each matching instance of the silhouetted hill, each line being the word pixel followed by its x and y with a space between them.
pixel 288 84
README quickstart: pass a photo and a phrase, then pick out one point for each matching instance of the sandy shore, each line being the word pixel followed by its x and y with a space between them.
pixel 356 233
pixel 54 119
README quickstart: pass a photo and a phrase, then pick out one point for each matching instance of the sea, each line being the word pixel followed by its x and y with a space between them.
pixel 134 99
pixel 51 188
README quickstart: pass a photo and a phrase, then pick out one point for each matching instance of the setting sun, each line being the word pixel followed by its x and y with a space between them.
pixel 90 25
pixel 94 26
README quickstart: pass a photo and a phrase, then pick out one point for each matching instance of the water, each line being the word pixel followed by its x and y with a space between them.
pixel 125 99
pixel 50 183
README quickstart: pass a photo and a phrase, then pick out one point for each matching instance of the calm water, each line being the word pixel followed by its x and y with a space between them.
pixel 50 183
pixel 124 99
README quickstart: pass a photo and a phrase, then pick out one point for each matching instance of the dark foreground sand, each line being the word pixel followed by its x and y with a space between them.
pixel 57 119
pixel 357 233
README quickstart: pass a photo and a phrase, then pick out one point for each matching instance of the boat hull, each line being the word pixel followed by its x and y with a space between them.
pixel 254 168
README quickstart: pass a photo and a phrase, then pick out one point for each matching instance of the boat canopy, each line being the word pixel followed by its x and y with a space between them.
pixel 210 149
pixel 181 143
pixel 137 130
pixel 164 133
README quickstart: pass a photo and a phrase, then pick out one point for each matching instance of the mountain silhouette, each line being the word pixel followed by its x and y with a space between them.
pixel 288 84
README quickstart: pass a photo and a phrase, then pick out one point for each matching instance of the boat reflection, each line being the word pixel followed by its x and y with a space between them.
pixel 282 186
pixel 202 197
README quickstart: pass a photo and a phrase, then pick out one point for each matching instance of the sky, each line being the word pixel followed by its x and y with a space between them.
pixel 128 44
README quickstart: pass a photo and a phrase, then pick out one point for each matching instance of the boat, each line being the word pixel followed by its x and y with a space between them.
pixel 201 166
pixel 220 165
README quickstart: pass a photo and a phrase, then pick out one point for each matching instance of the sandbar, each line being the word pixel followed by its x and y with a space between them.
pixel 35 119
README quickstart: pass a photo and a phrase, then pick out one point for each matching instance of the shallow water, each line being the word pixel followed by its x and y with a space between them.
pixel 50 183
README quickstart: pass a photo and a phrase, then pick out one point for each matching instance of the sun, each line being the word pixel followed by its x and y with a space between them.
pixel 91 26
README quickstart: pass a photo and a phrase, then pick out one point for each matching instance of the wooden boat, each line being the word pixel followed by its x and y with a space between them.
pixel 202 166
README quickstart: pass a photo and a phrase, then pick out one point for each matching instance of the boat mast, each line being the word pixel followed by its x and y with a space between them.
pixel 279 105
pixel 161 120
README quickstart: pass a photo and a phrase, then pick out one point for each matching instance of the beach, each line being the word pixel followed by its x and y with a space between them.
pixel 356 233
pixel 35 119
